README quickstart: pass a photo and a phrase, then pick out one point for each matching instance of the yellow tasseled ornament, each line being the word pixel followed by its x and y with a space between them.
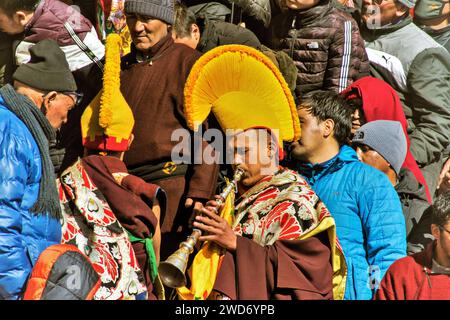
pixel 107 122
pixel 111 78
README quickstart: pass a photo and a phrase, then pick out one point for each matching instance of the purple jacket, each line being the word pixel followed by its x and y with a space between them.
pixel 48 23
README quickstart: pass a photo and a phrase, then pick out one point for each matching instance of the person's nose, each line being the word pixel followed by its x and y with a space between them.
pixel 138 26
pixel 238 159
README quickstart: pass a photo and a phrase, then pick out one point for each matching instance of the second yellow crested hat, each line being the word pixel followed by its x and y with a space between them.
pixel 244 89
pixel 107 123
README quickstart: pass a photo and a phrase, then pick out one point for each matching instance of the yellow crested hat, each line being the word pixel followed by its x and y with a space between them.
pixel 244 89
pixel 107 122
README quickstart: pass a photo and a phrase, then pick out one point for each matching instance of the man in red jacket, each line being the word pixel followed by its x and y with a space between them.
pixel 424 275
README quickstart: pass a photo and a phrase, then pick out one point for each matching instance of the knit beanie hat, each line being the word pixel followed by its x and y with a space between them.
pixel 408 3
pixel 429 9
pixel 159 9
pixel 107 122
pixel 47 69
pixel 385 137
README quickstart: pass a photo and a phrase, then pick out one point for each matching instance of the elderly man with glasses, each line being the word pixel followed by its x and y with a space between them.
pixel 30 112
pixel 424 275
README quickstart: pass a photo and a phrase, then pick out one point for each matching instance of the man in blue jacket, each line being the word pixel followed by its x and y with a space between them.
pixel 368 214
pixel 43 93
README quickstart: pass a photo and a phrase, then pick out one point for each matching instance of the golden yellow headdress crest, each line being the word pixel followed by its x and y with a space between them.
pixel 107 122
pixel 244 89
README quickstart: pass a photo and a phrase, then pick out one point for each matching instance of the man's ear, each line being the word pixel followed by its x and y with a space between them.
pixel 435 231
pixel 195 32
pixel 21 17
pixel 401 9
pixel 45 106
pixel 272 150
pixel 50 96
pixel 327 127
pixel 130 141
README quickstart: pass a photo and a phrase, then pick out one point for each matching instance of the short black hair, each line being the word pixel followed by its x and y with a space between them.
pixel 184 19
pixel 325 105
pixel 9 7
pixel 440 213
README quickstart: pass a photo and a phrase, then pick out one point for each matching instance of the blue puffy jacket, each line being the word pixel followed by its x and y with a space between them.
pixel 369 219
pixel 23 235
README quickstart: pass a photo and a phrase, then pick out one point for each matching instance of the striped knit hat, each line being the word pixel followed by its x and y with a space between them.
pixel 159 9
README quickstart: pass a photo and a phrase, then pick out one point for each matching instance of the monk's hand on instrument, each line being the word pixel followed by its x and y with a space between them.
pixel 216 228
pixel 196 206
pixel 213 204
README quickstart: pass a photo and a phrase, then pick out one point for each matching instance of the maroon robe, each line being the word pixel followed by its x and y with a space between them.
pixel 286 270
pixel 131 203
pixel 270 262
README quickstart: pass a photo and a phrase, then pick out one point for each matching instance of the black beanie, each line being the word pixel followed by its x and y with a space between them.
pixel 47 69
pixel 160 9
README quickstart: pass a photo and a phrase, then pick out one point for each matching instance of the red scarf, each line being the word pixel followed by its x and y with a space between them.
pixel 381 102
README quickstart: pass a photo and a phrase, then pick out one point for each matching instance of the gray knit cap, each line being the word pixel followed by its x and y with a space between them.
pixel 159 9
pixel 385 137
pixel 408 3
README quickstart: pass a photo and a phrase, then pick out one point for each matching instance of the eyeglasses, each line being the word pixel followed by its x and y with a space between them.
pixel 76 96
pixel 442 228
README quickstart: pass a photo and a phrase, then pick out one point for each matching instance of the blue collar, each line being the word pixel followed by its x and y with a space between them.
pixel 313 172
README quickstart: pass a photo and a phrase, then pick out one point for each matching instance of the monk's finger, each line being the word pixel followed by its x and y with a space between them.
pixel 213 215
pixel 213 209
pixel 208 238
pixel 206 228
pixel 198 206
pixel 207 221
pixel 211 203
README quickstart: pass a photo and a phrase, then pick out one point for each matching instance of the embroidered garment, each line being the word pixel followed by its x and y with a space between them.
pixel 111 19
pixel 90 224
pixel 284 207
